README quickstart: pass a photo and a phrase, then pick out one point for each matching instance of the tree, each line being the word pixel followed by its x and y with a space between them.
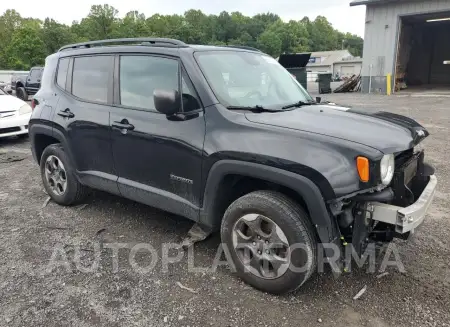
pixel 226 28
pixel 25 41
pixel 26 48
pixel 293 35
pixel 101 22
pixel 55 35
pixel 10 21
pixel 270 43
pixel 323 36
pixel 354 44
pixel 132 25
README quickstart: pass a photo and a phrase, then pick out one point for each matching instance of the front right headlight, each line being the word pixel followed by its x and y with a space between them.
pixel 25 109
pixel 387 168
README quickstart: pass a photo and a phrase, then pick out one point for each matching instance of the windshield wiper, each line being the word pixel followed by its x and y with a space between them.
pixel 299 104
pixel 257 108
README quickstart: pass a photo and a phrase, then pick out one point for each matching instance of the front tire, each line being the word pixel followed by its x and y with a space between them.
pixel 59 178
pixel 271 241
pixel 21 93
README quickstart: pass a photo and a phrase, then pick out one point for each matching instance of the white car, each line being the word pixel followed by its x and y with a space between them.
pixel 14 115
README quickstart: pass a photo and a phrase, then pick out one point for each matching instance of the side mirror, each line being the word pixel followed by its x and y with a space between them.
pixel 167 102
pixel 318 99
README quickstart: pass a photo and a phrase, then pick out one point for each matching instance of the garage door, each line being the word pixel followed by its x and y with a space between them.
pixel 423 49
pixel 347 70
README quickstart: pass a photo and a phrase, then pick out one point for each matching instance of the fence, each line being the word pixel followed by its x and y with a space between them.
pixel 5 75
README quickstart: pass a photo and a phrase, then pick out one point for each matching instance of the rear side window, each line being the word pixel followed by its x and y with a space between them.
pixel 141 75
pixel 90 78
pixel 61 77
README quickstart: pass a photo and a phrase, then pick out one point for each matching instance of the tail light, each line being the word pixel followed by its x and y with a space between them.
pixel 34 103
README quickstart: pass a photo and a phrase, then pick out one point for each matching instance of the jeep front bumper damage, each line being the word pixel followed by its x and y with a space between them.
pixel 409 218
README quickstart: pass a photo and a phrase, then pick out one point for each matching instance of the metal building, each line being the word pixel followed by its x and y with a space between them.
pixel 406 45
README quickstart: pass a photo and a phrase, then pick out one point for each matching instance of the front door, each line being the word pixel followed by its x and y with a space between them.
pixel 158 158
pixel 82 117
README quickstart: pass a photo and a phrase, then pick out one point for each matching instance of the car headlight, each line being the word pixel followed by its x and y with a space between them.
pixel 25 109
pixel 387 168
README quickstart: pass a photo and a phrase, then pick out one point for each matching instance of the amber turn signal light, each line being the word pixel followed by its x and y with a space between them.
pixel 362 164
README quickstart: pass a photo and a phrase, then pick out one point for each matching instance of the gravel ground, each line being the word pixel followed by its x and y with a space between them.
pixel 31 293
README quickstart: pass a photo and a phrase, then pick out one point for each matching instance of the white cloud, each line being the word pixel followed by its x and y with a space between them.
pixel 339 13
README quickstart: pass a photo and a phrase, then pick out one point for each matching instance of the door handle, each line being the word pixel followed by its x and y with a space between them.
pixel 66 113
pixel 123 125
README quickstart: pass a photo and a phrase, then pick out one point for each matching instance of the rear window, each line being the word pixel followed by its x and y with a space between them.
pixel 90 78
pixel 61 77
pixel 36 73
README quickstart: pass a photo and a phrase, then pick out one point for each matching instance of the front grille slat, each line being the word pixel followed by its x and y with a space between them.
pixel 5 114
pixel 9 130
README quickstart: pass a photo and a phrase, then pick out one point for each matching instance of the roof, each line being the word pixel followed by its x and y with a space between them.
pixel 370 2
pixel 154 42
pixel 198 47
pixel 328 57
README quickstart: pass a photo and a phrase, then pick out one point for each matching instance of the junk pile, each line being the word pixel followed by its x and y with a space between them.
pixel 353 84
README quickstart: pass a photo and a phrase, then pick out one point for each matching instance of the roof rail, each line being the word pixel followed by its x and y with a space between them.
pixel 141 41
pixel 243 47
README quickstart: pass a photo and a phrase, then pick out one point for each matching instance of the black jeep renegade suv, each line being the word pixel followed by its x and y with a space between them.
pixel 226 137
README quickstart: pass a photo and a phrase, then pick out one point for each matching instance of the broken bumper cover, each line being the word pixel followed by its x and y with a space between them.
pixel 409 218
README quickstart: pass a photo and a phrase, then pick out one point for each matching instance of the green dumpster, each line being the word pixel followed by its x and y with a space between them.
pixel 324 83
pixel 296 65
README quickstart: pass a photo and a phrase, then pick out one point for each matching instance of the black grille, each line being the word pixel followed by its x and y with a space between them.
pixel 9 130
pixel 407 167
pixel 403 157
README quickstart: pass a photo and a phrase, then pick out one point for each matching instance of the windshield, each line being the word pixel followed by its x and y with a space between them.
pixel 249 79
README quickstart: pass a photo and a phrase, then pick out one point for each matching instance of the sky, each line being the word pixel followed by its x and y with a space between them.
pixel 338 12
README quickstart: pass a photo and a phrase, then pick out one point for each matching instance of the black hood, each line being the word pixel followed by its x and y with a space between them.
pixel 384 131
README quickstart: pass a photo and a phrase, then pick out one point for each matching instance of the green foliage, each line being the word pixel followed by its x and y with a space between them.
pixel 25 42
pixel 270 43
pixel 26 48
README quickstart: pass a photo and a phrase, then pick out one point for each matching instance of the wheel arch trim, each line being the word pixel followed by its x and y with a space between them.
pixel 37 128
pixel 307 189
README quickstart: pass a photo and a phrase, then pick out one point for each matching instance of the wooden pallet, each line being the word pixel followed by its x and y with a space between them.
pixel 353 84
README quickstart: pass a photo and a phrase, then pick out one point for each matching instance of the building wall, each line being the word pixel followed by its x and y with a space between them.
pixel 381 34
pixel 5 75
pixel 319 69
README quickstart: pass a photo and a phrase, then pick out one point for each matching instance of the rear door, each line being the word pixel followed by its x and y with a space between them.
pixel 82 119
pixel 34 80
pixel 158 158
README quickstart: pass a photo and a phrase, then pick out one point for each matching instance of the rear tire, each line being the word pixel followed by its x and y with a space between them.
pixel 58 176
pixel 280 220
pixel 22 94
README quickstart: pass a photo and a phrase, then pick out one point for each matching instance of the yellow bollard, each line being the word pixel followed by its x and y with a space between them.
pixel 388 84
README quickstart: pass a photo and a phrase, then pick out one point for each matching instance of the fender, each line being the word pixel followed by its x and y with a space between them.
pixel 43 129
pixel 40 129
pixel 325 224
